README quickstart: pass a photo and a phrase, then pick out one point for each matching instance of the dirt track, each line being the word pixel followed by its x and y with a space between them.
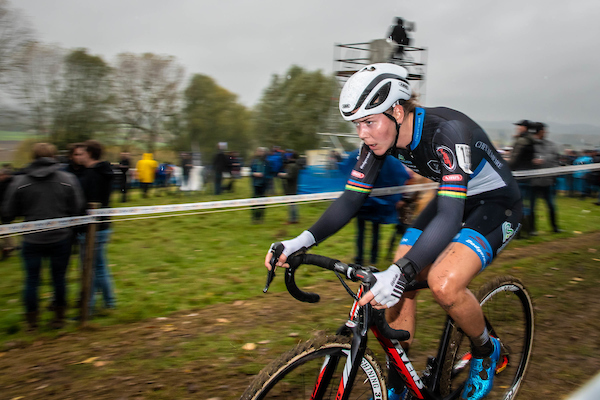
pixel 565 355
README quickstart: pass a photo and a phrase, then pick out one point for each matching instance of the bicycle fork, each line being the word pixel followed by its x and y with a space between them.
pixel 354 358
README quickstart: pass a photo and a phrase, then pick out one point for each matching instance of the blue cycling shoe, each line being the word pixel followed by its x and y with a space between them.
pixel 481 374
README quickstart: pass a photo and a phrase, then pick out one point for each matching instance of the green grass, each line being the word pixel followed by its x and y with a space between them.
pixel 14 136
pixel 163 265
pixel 193 262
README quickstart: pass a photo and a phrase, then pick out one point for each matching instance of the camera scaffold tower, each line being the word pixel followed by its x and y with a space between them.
pixel 349 58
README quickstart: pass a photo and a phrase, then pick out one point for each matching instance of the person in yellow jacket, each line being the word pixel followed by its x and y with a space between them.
pixel 146 171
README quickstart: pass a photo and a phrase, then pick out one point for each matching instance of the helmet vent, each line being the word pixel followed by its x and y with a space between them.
pixel 380 96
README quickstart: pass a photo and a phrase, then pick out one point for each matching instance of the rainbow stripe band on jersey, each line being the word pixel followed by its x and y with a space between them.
pixel 358 186
pixel 456 191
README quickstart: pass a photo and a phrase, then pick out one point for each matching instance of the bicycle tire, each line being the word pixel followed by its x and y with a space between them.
pixel 293 374
pixel 508 309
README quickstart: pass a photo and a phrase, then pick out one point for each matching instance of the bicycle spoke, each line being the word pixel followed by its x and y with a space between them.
pixel 509 317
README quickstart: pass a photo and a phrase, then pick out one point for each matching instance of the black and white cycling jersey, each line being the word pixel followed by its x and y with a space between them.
pixel 450 148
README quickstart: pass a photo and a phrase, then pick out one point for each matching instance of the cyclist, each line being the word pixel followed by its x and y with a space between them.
pixel 475 214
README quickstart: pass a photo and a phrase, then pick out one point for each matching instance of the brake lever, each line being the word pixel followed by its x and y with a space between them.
pixel 276 250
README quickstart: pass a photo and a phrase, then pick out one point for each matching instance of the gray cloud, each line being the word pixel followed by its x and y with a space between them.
pixel 493 60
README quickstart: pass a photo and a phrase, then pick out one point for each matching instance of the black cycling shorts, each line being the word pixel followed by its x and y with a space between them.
pixel 490 221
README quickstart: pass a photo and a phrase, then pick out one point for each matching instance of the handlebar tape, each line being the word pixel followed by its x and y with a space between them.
pixel 386 330
pixel 295 291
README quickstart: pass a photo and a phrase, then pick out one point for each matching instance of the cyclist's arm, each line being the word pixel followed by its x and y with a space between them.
pixel 358 188
pixel 451 196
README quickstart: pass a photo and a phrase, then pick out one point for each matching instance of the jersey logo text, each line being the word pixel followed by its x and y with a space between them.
pixel 357 174
pixel 452 178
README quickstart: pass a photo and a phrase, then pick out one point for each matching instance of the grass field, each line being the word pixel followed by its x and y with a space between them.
pixel 202 262
pixel 11 136
pixel 162 265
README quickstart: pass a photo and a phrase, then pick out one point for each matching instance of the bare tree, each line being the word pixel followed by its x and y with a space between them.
pixel 15 32
pixel 36 79
pixel 147 94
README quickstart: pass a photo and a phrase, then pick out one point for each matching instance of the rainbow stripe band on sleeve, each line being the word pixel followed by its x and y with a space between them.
pixel 358 186
pixel 456 191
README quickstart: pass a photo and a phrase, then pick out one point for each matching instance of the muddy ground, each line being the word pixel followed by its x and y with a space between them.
pixel 109 362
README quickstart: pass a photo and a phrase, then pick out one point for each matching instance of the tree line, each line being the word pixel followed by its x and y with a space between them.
pixel 145 100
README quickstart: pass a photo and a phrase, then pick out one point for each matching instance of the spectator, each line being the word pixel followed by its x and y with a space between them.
pixel 235 169
pixel 97 186
pixel 186 167
pixel 593 177
pixel 290 184
pixel 596 176
pixel 545 156
pixel 75 152
pixel 261 170
pixel 6 177
pixel 44 192
pixel 521 159
pixel 398 35
pixel 146 172
pixel 163 177
pixel 568 158
pixel 580 177
pixel 275 159
pixel 124 164
pixel 220 163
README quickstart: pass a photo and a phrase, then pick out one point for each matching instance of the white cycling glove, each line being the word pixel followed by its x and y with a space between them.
pixel 303 241
pixel 391 283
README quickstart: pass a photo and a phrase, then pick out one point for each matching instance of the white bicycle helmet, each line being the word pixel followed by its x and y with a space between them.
pixel 373 90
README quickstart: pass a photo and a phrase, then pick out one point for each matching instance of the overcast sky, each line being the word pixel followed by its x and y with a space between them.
pixel 494 60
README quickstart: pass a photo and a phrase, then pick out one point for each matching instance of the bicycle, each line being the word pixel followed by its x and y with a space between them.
pixel 328 367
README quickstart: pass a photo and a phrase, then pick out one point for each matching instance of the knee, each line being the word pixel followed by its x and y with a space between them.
pixel 445 290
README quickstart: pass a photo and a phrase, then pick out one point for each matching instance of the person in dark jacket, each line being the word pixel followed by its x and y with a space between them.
pixel 521 159
pixel 220 166
pixel 290 184
pixel 546 156
pixel 7 243
pixel 261 171
pixel 400 37
pixel 124 164
pixel 97 187
pixel 75 150
pixel 44 192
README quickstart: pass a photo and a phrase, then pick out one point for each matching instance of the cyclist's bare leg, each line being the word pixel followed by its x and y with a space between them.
pixel 448 279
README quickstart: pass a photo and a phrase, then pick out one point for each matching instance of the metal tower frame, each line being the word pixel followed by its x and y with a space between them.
pixel 349 58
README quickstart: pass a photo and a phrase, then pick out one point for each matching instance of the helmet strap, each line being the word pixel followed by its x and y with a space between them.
pixel 394 150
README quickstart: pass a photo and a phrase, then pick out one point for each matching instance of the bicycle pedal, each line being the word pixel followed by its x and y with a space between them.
pixel 501 366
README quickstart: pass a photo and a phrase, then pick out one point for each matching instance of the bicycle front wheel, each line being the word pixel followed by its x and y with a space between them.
pixel 508 311
pixel 316 367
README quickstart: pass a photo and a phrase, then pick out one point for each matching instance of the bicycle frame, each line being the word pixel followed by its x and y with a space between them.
pixel 436 377
pixel 359 323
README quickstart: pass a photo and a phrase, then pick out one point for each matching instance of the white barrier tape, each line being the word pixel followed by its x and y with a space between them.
pixel 28 227
pixel 46 224
pixel 555 171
